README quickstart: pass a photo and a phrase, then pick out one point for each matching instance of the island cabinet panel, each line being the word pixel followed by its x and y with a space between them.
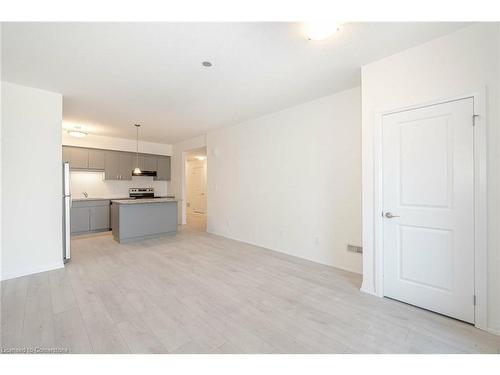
pixel 163 171
pixel 96 159
pixel 137 221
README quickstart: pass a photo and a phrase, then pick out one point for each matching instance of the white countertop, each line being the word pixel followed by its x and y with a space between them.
pixel 144 200
pixel 118 198
pixel 96 199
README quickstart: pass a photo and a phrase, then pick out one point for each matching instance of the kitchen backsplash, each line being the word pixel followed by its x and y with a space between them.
pixel 94 184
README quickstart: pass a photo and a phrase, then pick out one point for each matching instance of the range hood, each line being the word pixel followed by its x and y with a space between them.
pixel 144 173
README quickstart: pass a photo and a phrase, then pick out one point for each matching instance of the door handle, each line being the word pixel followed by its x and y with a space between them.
pixel 390 215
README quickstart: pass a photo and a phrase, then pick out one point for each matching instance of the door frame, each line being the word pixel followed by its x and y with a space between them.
pixel 480 200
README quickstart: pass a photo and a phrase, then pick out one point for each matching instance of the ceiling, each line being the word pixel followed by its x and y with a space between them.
pixel 113 75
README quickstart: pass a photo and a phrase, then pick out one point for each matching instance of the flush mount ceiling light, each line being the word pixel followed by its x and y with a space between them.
pixel 320 30
pixel 206 64
pixel 137 170
pixel 77 132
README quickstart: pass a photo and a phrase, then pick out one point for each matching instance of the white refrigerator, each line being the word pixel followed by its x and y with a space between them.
pixel 66 213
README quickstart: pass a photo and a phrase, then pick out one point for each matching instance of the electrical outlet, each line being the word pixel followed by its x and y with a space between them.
pixel 355 249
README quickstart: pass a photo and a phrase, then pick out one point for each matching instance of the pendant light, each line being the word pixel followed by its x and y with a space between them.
pixel 137 170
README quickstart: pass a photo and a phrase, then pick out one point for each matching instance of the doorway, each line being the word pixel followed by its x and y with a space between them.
pixel 196 188
pixel 428 207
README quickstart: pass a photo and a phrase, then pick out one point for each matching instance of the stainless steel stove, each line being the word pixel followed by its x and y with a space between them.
pixel 139 193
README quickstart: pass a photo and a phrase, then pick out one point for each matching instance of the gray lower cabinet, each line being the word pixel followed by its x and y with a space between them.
pixel 99 217
pixel 90 216
pixel 80 219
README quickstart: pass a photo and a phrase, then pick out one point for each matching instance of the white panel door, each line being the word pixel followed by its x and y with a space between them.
pixel 428 186
pixel 198 181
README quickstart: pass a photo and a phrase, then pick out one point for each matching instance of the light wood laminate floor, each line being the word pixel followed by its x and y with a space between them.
pixel 199 293
pixel 197 222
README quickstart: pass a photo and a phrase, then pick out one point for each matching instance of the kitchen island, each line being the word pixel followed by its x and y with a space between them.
pixel 139 219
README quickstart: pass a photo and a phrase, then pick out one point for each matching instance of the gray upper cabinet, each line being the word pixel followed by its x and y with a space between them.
pixel 126 165
pixel 148 162
pixel 117 165
pixel 163 171
pixel 112 165
pixel 66 154
pixel 83 158
pixel 96 159
pixel 79 158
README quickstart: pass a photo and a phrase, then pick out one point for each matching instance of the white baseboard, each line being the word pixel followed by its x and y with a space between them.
pixel 366 290
pixel 494 328
pixel 31 270
pixel 280 251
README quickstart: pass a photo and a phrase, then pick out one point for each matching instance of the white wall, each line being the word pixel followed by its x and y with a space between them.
pixel 460 63
pixel 291 181
pixel 31 180
pixel 1 121
pixel 178 168
pixel 117 144
pixel 93 183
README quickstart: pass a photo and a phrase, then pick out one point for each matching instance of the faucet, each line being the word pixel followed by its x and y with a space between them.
pixel 86 195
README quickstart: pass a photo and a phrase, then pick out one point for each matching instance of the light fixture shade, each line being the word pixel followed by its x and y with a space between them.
pixel 77 133
pixel 137 171
pixel 320 30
